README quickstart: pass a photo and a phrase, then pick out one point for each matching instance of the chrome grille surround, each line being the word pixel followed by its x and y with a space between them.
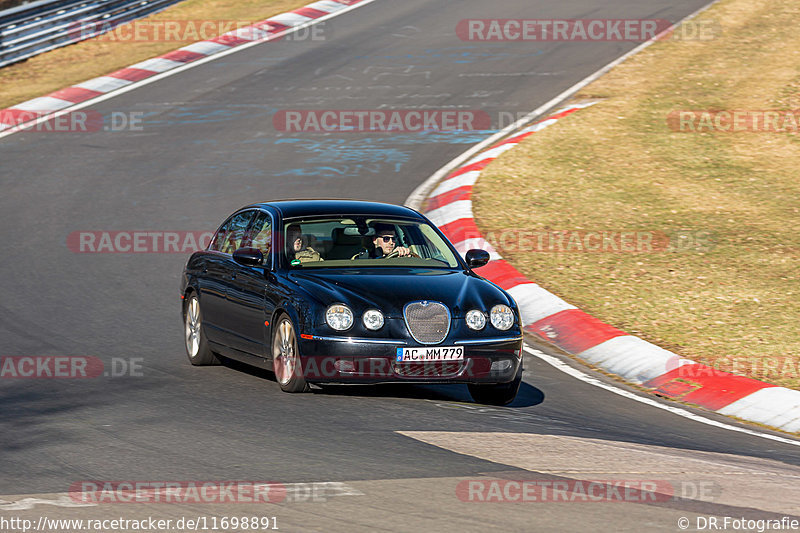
pixel 427 322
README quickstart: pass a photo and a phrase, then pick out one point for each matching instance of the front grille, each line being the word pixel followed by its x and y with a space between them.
pixel 428 322
pixel 427 370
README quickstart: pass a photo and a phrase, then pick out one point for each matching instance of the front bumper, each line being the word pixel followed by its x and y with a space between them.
pixel 354 360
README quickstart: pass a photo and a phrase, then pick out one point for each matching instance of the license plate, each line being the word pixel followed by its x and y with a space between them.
pixel 430 353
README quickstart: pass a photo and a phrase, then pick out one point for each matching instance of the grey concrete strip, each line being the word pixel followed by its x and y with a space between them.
pixel 722 479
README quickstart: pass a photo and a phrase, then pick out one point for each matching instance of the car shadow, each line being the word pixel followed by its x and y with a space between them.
pixel 527 396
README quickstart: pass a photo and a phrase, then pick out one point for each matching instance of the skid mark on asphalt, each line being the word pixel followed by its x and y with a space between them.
pixel 455 54
pixel 373 155
pixel 62 500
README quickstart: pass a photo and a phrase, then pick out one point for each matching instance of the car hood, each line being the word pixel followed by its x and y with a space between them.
pixel 389 289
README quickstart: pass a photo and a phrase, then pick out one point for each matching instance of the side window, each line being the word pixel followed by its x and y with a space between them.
pixel 229 237
pixel 260 234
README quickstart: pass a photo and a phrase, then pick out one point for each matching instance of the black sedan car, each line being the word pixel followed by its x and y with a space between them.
pixel 338 291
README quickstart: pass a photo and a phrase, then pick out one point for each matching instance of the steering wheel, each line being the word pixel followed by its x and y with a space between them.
pixel 395 253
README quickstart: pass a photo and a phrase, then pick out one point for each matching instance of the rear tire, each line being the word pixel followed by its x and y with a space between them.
pixel 195 339
pixel 286 361
pixel 498 394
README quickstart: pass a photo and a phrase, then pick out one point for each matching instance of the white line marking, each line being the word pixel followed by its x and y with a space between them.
pixel 177 70
pixel 491 154
pixel 536 303
pixel 205 47
pixel 539 126
pixel 43 104
pixel 290 19
pixel 326 5
pixel 577 374
pixel 632 358
pixel 451 212
pixel 467 179
pixel 158 64
pixel 103 84
pixel 773 406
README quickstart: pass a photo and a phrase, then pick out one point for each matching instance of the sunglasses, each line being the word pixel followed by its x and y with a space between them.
pixel 387 237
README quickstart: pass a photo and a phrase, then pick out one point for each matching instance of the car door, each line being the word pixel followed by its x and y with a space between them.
pixel 217 275
pixel 213 296
pixel 248 306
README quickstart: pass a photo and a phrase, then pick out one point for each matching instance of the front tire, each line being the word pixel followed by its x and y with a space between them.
pixel 196 344
pixel 286 358
pixel 498 394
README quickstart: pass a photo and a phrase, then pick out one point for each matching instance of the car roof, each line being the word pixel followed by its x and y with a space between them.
pixel 298 208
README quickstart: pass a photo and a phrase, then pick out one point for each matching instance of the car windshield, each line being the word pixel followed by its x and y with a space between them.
pixel 364 241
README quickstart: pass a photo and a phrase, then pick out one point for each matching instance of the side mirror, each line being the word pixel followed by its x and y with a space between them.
pixel 476 258
pixel 251 257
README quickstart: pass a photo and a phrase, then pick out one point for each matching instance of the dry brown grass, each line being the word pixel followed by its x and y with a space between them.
pixel 617 166
pixel 76 63
pixel 8 4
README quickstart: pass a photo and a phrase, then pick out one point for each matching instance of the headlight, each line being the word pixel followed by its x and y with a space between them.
pixel 502 317
pixel 476 319
pixel 373 319
pixel 339 317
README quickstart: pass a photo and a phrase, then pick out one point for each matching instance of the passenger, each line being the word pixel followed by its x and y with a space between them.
pixel 384 243
pixel 294 246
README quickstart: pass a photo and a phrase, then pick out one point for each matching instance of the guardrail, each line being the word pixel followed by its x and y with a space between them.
pixel 31 29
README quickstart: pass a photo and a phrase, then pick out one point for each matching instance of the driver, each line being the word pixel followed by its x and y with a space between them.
pixel 384 242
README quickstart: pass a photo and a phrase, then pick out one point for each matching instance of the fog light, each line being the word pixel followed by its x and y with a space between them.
pixel 501 366
pixel 345 366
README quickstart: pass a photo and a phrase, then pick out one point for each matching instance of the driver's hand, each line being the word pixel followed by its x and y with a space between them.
pixel 402 251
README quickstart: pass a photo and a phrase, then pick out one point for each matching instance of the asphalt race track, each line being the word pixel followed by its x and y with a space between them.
pixel 393 457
